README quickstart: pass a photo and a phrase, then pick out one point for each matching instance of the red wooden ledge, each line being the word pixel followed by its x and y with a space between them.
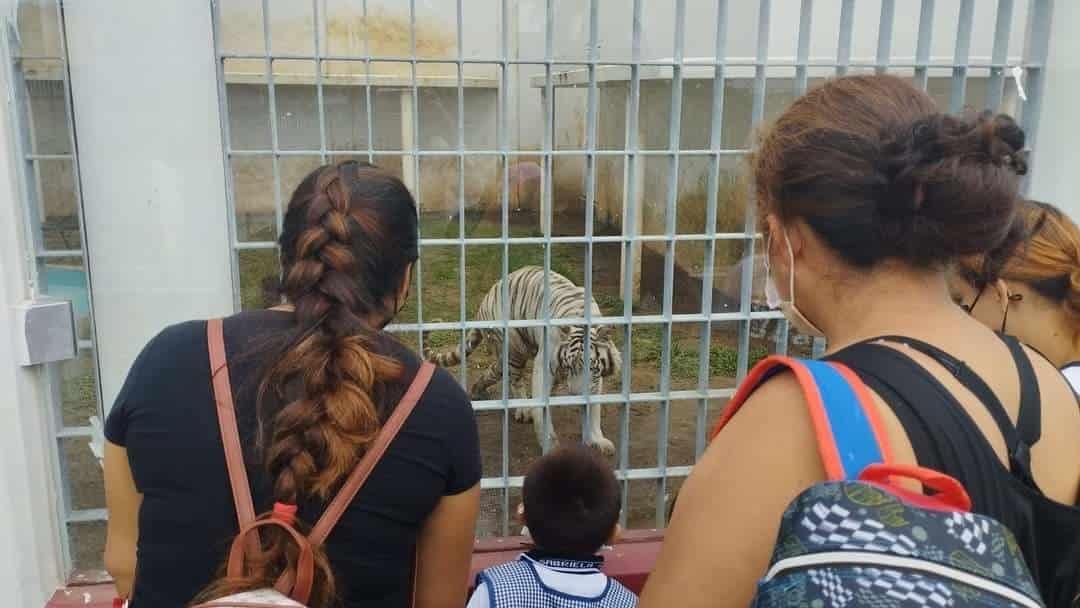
pixel 629 562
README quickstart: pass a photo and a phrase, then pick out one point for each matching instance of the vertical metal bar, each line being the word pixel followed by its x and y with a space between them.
pixel 757 113
pixel 275 148
pixel 711 202
pixel 1036 48
pixel 806 12
pixel 415 160
pixel 999 55
pixel 674 133
pixel 226 152
pixel 843 49
pixel 961 55
pixel 462 300
pixel 922 47
pixel 629 222
pixel 504 146
pixel 590 202
pixel 369 110
pixel 317 29
pixel 885 27
pixel 549 128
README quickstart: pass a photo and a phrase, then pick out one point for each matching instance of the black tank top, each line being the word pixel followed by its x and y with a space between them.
pixel 946 439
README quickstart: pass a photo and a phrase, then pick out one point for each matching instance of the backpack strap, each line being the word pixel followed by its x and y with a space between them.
pixel 341 501
pixel 230 436
pixel 850 434
pixel 374 453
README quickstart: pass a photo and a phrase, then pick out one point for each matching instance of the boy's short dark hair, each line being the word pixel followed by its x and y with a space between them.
pixel 572 501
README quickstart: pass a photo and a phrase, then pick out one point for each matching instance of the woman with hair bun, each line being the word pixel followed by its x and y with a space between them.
pixel 1030 290
pixel 315 381
pixel 866 195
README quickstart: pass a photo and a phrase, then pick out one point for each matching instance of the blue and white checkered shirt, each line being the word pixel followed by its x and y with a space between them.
pixel 545 582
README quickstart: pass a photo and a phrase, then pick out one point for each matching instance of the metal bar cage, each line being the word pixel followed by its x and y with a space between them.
pixel 499 130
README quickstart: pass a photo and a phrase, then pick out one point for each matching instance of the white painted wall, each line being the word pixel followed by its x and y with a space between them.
pixel 30 553
pixel 1055 178
pixel 152 171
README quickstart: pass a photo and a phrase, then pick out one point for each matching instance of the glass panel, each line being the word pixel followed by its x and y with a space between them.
pixel 87 545
pixel 241 27
pixel 50 132
pixel 254 198
pixel 78 390
pixel 259 273
pixel 65 278
pixel 58 210
pixel 249 108
pixel 39 28
pixel 296 100
pixel 86 484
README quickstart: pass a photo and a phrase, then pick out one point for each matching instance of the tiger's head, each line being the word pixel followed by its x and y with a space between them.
pixel 605 360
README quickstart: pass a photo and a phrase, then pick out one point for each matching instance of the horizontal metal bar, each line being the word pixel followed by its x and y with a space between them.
pixel 493 153
pixel 80 516
pixel 603 399
pixel 49 156
pixel 706 62
pixel 497 483
pixel 85 344
pixel 69 432
pixel 48 254
pixel 555 240
pixel 571 321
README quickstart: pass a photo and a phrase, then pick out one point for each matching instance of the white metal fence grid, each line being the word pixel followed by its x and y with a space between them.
pixel 27 71
pixel 555 72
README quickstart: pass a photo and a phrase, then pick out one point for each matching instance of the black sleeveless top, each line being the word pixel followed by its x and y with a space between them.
pixel 946 439
pixel 165 417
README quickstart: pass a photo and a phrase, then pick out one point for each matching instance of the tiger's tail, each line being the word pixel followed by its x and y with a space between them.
pixel 452 356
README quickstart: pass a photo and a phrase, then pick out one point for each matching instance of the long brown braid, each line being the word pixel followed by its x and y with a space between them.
pixel 349 237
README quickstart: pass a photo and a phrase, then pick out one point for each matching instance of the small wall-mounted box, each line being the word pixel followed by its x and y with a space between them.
pixel 44 331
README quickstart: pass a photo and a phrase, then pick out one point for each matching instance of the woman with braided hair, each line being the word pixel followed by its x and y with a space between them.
pixel 1030 290
pixel 314 381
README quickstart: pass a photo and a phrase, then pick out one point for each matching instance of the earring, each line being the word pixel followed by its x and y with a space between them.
pixel 1013 297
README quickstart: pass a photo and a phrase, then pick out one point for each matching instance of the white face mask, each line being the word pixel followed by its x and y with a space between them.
pixel 772 295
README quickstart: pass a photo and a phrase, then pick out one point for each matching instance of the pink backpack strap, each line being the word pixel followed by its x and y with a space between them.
pixel 849 431
pixel 230 436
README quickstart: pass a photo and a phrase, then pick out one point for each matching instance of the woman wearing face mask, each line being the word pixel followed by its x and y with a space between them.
pixel 1031 290
pixel 314 380
pixel 867 193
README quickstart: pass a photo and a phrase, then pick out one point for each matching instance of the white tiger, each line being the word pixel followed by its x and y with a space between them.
pixel 565 346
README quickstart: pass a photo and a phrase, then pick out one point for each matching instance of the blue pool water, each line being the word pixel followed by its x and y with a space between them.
pixel 68 283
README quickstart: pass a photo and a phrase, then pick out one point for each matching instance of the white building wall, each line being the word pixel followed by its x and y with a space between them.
pixel 149 134
pixel 1054 176
pixel 30 551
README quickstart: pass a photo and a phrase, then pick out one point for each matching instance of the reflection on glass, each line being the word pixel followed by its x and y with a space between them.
pixel 78 390
pixel 254 198
pixel 259 278
pixel 87 545
pixel 86 485
pixel 58 211
pixel 66 279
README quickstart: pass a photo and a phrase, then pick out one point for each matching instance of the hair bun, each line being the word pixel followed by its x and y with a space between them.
pixel 1006 141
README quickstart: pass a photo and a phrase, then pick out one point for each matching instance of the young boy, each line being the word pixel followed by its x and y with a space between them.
pixel 571 509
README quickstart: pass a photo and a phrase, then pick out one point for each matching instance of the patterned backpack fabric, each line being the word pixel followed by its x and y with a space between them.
pixel 862 539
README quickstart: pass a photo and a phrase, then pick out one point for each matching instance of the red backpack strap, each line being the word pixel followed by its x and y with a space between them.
pixel 230 436
pixel 849 431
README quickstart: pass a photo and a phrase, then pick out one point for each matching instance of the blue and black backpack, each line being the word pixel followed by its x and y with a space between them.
pixel 861 538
